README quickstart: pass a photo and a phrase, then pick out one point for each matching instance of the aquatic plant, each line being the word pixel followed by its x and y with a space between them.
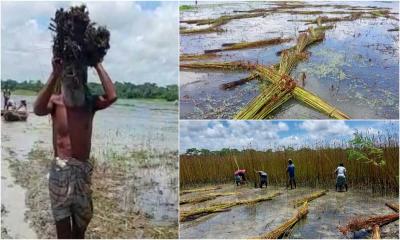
pixel 186 7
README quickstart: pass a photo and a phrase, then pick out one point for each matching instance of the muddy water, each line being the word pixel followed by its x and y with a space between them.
pixel 355 68
pixel 14 220
pixel 119 130
pixel 325 215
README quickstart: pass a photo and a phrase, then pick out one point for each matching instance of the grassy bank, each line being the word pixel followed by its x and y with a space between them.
pixel 314 167
pixel 186 7
pixel 24 92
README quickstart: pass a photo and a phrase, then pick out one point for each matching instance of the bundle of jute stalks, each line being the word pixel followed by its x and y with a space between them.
pixel 359 223
pixel 77 39
pixel 287 225
pixel 192 214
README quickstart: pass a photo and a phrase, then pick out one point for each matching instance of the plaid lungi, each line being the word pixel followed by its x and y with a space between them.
pixel 70 193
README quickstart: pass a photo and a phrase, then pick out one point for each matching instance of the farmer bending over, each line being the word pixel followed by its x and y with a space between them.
pixel 290 171
pixel 240 176
pixel 341 177
pixel 263 178
pixel 67 98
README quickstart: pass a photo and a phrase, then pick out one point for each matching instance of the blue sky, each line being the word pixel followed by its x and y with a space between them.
pixel 144 40
pixel 263 135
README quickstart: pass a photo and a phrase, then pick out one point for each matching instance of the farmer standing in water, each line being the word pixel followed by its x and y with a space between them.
pixel 290 171
pixel 67 98
pixel 341 177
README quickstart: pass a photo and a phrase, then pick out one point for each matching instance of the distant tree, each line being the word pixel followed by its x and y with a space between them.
pixel 205 151
pixel 124 90
pixel 192 151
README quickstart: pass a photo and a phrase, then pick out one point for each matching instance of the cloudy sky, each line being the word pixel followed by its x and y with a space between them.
pixel 144 40
pixel 262 135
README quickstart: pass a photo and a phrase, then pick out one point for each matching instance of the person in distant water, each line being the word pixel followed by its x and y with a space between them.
pixel 240 176
pixel 10 105
pixel 290 171
pixel 66 97
pixel 263 178
pixel 6 96
pixel 341 177
pixel 22 106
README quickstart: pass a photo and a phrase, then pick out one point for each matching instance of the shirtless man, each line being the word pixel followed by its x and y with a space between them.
pixel 72 109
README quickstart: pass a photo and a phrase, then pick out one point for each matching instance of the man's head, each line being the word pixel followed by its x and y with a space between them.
pixel 290 161
pixel 341 164
pixel 73 85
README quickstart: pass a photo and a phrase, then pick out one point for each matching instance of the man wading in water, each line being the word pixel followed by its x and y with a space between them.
pixel 67 98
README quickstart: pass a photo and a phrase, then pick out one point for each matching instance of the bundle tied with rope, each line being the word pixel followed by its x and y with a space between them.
pixel 77 42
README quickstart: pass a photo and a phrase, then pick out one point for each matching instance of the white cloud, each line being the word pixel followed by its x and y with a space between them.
pixel 263 135
pixel 320 129
pixel 230 134
pixel 144 43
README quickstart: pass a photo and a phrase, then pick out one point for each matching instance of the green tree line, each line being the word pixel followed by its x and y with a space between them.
pixel 124 89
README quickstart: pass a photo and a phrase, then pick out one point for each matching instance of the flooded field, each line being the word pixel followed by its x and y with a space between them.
pixel 326 213
pixel 354 68
pixel 135 178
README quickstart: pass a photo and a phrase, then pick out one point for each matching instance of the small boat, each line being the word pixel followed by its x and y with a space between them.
pixel 12 115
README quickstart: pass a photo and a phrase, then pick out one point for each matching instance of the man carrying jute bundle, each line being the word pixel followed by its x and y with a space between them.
pixel 67 98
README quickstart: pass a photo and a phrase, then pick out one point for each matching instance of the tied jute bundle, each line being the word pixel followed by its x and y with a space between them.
pixel 77 39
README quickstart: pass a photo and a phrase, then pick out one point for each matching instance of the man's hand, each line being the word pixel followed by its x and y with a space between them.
pixel 43 104
pixel 57 64
pixel 110 95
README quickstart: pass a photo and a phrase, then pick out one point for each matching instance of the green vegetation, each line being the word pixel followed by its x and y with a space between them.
pixel 124 90
pixel 186 7
pixel 371 161
pixel 363 149
pixel 24 92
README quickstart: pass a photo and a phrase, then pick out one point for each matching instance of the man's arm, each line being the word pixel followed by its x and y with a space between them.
pixel 43 105
pixel 110 95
